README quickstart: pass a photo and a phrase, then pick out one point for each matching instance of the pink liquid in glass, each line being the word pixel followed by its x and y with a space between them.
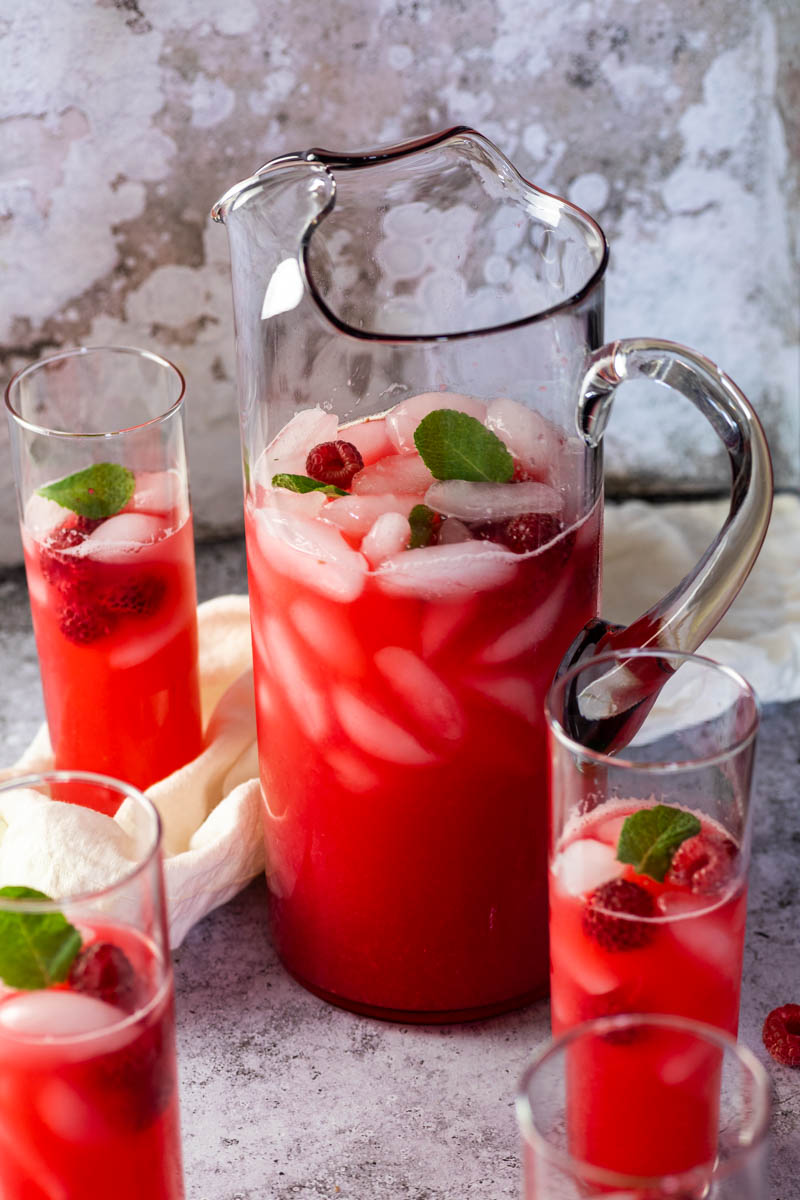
pixel 88 1091
pixel 402 746
pixel 643 1103
pixel 690 964
pixel 114 613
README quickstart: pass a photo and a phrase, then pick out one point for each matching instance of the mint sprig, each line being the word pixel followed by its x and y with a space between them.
pixel 649 838
pixel 456 446
pixel 304 483
pixel 36 949
pixel 98 491
pixel 422 521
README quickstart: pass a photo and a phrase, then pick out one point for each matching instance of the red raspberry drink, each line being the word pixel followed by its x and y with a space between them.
pixel 114 612
pixel 88 1095
pixel 405 630
pixel 622 941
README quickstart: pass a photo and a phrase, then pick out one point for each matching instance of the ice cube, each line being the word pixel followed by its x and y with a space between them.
pixel 515 693
pixel 586 864
pixel 287 452
pixel 440 623
pixel 305 698
pixel 311 552
pixel 680 904
pixel 260 655
pixel 610 830
pixel 403 420
pixel 327 631
pixel 376 734
pixel 51 1013
pixel 42 515
pixel 530 633
pixel 447 572
pixel 131 651
pixel 298 504
pixel 533 440
pixel 424 693
pixel 158 492
pixel 589 972
pixel 388 536
pixel 265 701
pixel 369 437
pixel 490 501
pixel 405 474
pixel 355 515
pixel 353 772
pixel 120 536
pixel 453 531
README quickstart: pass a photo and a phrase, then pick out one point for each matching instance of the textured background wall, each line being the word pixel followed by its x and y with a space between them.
pixel 676 123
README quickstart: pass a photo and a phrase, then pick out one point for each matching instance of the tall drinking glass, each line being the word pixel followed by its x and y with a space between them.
pixel 644 1108
pixel 649 848
pixel 88 1087
pixel 100 467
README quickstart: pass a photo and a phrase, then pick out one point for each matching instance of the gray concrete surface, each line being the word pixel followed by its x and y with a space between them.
pixel 286 1098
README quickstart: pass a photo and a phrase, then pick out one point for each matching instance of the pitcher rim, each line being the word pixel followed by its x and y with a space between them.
pixel 330 160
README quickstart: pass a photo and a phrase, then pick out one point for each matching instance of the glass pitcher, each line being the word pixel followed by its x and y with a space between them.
pixel 423 393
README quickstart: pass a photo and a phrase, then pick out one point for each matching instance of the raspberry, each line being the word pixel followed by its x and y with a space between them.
pixel 104 971
pixel 61 569
pixel 334 462
pixel 703 863
pixel 781 1034
pixel 138 597
pixel 618 933
pixel 84 623
pixel 526 532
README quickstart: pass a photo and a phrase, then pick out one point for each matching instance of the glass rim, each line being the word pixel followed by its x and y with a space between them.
pixel 656 766
pixel 757 1122
pixel 128 792
pixel 85 351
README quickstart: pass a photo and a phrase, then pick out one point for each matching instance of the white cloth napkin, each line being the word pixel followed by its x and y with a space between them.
pixel 211 808
pixel 650 547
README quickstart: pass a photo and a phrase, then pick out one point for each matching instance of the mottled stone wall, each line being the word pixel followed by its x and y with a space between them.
pixel 675 122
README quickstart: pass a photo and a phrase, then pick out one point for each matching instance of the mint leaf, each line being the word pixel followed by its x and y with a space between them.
pixel 304 483
pixel 455 446
pixel 98 491
pixel 650 837
pixel 422 521
pixel 36 949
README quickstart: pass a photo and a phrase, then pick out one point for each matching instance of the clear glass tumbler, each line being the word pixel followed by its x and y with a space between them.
pixel 643 1107
pixel 88 1084
pixel 99 461
pixel 649 847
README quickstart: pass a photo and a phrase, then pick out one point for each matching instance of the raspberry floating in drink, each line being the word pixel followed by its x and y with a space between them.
pixel 334 462
pixel 616 932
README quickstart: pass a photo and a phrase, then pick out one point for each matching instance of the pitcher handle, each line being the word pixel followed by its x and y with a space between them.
pixel 687 614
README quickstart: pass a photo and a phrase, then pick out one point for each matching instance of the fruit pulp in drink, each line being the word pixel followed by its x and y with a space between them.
pixel 114 614
pixel 88 1090
pixel 687 962
pixel 401 740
